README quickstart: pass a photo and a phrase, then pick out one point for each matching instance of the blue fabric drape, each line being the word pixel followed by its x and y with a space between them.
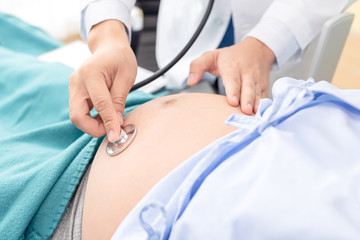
pixel 42 154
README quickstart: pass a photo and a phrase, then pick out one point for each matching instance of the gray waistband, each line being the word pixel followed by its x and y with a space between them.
pixel 70 224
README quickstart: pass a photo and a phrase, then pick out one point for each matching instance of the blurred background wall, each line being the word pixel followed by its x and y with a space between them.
pixel 347 73
pixel 60 18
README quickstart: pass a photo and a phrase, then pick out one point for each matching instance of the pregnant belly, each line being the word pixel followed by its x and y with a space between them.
pixel 170 130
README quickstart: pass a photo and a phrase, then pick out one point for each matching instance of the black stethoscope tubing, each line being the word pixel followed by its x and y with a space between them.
pixel 163 70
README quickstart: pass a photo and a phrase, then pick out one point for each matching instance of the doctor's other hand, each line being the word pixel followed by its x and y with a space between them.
pixel 244 68
pixel 103 81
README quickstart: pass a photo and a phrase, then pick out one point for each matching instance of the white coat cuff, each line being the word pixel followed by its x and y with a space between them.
pixel 98 11
pixel 278 37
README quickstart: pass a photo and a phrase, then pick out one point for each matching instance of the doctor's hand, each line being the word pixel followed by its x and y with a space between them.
pixel 103 81
pixel 244 68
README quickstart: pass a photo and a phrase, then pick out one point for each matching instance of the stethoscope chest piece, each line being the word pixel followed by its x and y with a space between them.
pixel 127 135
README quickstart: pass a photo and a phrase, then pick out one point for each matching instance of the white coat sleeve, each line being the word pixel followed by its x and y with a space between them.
pixel 96 11
pixel 288 26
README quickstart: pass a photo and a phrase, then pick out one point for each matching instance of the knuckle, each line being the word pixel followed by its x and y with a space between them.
pixel 83 71
pixel 74 118
pixel 232 84
pixel 100 104
pixel 110 123
pixel 119 100
pixel 97 134
pixel 264 93
pixel 199 65
pixel 255 72
pixel 86 70
pixel 73 80
pixel 195 64
pixel 207 54
pixel 73 76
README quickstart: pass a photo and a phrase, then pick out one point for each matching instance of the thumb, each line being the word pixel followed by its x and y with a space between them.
pixel 205 63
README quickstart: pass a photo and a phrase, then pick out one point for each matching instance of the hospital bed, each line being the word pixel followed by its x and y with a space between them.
pixel 321 57
pixel 37 134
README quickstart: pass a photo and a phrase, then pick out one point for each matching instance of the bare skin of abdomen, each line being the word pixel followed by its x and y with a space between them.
pixel 169 130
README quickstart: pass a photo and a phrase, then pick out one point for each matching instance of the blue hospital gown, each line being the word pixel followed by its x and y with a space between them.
pixel 290 172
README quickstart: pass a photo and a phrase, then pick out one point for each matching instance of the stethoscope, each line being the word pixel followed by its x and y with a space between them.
pixel 128 132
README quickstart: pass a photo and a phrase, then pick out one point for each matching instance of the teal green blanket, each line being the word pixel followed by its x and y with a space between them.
pixel 43 155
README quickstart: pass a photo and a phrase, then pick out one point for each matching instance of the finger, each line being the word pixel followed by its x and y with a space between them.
pixel 119 92
pixel 248 94
pixel 262 91
pixel 232 83
pixel 257 97
pixel 265 89
pixel 257 103
pixel 101 99
pixel 79 111
pixel 205 63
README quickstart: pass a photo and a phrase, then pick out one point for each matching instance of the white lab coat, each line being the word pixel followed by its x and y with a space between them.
pixel 285 26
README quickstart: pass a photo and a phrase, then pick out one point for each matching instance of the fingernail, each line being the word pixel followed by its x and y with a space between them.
pixel 250 107
pixel 191 78
pixel 235 99
pixel 111 136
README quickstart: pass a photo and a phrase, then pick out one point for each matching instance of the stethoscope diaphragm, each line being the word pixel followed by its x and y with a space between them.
pixel 127 135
